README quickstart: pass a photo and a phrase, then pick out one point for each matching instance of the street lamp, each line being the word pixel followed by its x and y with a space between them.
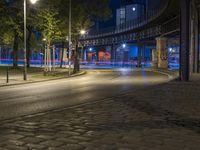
pixel 70 36
pixel 82 32
pixel 25 44
pixel 33 1
pixel 123 45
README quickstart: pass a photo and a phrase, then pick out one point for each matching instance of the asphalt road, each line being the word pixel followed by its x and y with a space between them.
pixel 95 85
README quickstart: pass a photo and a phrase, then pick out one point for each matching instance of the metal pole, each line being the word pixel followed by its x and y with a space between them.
pixel 70 36
pixel 0 55
pixel 45 59
pixel 7 75
pixel 25 61
pixel 54 64
pixel 7 70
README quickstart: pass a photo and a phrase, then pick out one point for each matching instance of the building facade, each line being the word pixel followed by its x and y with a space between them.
pixel 128 11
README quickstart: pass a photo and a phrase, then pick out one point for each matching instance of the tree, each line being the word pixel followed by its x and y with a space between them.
pixel 47 25
pixel 50 19
pixel 12 25
pixel 84 12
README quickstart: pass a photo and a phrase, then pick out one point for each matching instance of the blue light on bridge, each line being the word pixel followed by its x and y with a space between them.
pixel 90 49
pixel 123 45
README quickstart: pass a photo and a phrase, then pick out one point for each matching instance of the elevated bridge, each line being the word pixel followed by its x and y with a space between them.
pixel 161 21
pixel 158 25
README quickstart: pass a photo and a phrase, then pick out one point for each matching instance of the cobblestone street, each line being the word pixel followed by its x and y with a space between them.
pixel 141 120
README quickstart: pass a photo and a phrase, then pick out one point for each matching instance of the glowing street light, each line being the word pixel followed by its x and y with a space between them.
pixel 90 49
pixel 123 45
pixel 82 32
pixel 33 1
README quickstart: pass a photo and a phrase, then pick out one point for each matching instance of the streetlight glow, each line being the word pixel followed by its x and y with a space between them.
pixel 90 49
pixel 33 1
pixel 82 32
pixel 124 45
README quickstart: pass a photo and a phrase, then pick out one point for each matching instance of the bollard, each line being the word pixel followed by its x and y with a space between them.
pixel 7 75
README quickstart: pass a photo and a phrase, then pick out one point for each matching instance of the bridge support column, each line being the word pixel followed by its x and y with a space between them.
pixel 139 61
pixel 194 39
pixel 154 58
pixel 113 54
pixel 161 46
pixel 84 54
pixel 185 40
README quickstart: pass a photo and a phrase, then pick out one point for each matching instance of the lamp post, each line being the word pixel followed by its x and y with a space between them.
pixel 83 54
pixel 25 44
pixel 70 36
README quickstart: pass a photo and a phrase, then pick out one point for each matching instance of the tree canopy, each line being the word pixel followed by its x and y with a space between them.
pixel 49 19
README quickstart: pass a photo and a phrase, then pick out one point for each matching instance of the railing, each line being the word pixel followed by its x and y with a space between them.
pixel 129 25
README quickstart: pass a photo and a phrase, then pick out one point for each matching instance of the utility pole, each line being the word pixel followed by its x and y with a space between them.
pixel 25 60
pixel 70 36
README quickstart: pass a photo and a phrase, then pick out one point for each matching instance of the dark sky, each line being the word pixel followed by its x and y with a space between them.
pixel 114 4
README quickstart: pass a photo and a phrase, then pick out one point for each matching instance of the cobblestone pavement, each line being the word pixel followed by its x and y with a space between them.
pixel 164 117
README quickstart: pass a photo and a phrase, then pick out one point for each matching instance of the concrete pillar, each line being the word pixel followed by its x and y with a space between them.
pixel 154 58
pixel 82 53
pixel 194 39
pixel 185 40
pixel 139 63
pixel 0 55
pixel 113 54
pixel 161 46
pixel 143 54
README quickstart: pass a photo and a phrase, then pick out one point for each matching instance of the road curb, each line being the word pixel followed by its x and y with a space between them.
pixel 172 75
pixel 45 80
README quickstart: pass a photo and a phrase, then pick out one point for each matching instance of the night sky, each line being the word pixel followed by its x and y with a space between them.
pixel 114 4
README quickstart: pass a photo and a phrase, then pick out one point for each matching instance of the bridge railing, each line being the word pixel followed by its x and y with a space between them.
pixel 129 25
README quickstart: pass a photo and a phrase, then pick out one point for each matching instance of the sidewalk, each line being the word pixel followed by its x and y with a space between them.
pixel 163 117
pixel 34 75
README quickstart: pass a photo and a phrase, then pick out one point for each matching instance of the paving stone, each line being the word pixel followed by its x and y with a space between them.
pixel 36 146
pixel 46 137
pixel 72 147
pixel 67 140
pixel 52 143
pixel 33 140
pixel 80 138
pixel 13 136
pixel 16 142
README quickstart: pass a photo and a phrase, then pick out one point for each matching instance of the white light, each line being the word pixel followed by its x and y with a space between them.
pixel 170 49
pixel 44 39
pixel 134 9
pixel 82 32
pixel 33 1
pixel 90 49
pixel 124 45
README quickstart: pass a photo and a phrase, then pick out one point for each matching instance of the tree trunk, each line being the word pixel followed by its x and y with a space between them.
pixel 76 60
pixel 62 55
pixel 15 50
pixel 28 54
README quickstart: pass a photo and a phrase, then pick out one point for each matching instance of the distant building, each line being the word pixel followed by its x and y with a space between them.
pixel 129 11
pixel 132 9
